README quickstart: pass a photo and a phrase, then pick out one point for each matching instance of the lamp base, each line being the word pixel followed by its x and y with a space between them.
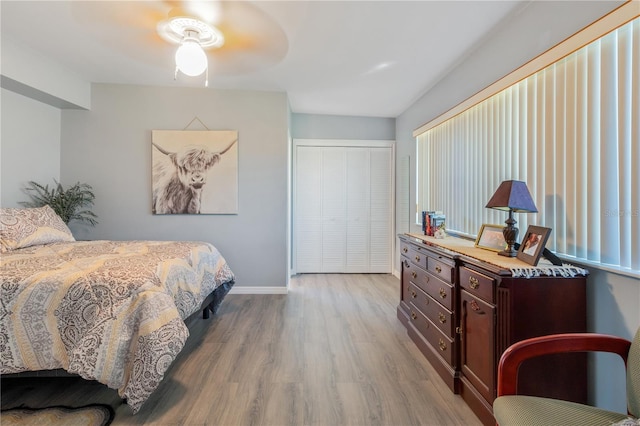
pixel 508 253
pixel 510 233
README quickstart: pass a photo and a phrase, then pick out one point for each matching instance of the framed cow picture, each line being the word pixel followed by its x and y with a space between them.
pixel 194 171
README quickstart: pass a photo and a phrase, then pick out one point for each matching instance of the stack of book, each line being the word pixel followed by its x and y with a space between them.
pixel 431 221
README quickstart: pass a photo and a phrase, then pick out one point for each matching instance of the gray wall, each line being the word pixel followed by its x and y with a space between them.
pixel 29 146
pixel 109 147
pixel 316 126
pixel 613 299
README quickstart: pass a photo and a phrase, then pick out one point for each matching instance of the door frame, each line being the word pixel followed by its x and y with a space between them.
pixel 349 143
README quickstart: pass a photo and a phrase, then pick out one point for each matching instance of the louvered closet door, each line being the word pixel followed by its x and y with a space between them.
pixel 334 204
pixel 343 209
pixel 358 199
pixel 308 208
pixel 381 210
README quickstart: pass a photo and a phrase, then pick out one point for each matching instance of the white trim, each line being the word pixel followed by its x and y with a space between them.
pixel 258 290
pixel 344 142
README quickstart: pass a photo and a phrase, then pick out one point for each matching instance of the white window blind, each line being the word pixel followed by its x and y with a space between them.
pixel 571 132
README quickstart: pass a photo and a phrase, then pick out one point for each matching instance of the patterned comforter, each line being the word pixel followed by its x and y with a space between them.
pixel 110 311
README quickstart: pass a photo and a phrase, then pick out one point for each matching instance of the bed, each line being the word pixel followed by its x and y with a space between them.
pixel 110 311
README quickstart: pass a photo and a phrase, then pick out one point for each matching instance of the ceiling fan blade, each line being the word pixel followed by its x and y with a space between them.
pixel 253 40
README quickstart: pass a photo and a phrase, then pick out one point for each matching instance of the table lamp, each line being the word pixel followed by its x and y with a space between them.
pixel 512 196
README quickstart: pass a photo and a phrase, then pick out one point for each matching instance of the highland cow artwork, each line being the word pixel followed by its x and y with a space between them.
pixel 194 171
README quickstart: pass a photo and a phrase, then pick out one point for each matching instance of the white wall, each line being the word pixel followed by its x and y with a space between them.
pixel 29 146
pixel 30 73
pixel 318 126
pixel 613 300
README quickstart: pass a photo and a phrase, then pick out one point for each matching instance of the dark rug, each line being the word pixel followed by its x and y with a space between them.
pixel 88 415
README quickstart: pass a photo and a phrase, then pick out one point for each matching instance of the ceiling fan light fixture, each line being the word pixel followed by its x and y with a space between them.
pixel 190 58
pixel 193 36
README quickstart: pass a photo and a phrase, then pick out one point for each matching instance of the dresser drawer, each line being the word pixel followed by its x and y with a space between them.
pixel 442 344
pixel 404 248
pixel 417 256
pixel 436 288
pixel 441 317
pixel 415 274
pixel 441 291
pixel 477 284
pixel 441 269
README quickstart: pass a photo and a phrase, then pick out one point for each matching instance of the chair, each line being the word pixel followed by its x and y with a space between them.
pixel 512 409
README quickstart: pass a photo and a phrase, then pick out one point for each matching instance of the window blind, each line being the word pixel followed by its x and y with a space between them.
pixel 571 132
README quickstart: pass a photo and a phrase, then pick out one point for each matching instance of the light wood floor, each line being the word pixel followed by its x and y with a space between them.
pixel 331 352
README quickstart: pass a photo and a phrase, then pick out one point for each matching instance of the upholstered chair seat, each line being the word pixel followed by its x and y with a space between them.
pixel 521 410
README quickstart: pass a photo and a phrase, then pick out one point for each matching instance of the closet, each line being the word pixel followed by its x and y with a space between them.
pixel 343 206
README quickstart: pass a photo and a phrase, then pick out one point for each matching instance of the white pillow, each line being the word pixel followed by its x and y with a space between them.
pixel 32 226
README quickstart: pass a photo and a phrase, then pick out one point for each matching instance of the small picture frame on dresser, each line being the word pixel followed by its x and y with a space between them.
pixel 490 237
pixel 533 244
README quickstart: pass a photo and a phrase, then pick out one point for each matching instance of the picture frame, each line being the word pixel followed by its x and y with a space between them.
pixel 194 172
pixel 533 244
pixel 490 237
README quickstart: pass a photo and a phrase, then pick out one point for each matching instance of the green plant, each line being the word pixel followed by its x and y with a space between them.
pixel 70 204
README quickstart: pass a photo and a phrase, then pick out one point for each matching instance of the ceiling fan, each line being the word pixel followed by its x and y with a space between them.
pixel 228 37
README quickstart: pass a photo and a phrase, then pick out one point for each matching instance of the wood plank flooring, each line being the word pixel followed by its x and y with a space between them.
pixel 331 352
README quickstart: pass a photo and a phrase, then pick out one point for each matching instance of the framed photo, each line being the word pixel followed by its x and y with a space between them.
pixel 490 237
pixel 533 244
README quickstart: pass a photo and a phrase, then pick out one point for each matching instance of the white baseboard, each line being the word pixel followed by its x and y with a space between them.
pixel 258 290
pixel 396 274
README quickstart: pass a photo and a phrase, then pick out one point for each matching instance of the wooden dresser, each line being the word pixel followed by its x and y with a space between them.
pixel 463 306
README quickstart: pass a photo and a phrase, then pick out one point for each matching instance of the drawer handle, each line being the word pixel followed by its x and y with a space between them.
pixel 442 318
pixel 475 306
pixel 417 258
pixel 414 275
pixel 442 345
pixel 413 294
pixel 413 315
pixel 438 269
pixel 404 249
pixel 426 300
pixel 474 283
pixel 458 330
pixel 406 264
pixel 443 293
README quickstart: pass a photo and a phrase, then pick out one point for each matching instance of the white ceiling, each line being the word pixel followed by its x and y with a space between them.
pixel 359 58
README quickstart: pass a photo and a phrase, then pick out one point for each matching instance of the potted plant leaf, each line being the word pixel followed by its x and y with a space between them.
pixel 72 203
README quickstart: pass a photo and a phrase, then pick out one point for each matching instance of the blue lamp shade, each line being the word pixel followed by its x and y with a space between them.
pixel 513 195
